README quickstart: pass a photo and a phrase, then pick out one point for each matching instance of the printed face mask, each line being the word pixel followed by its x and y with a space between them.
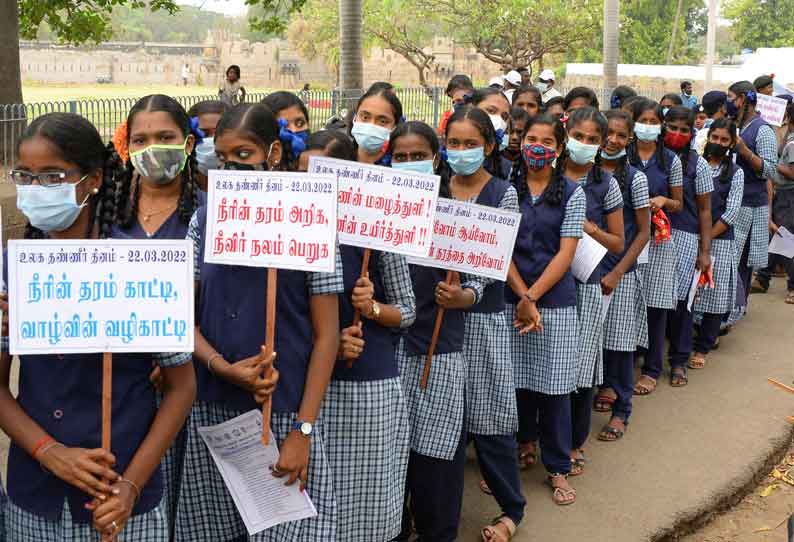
pixel 50 208
pixel 676 140
pixel 466 162
pixel 370 137
pixel 647 132
pixel 581 153
pixel 422 166
pixel 160 164
pixel 538 157
pixel 206 157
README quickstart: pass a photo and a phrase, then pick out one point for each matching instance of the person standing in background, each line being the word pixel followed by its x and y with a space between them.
pixel 185 74
pixel 688 99
pixel 764 84
pixel 232 91
pixel 546 85
pixel 512 80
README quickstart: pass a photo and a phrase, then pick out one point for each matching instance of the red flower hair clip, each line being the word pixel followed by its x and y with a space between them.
pixel 120 142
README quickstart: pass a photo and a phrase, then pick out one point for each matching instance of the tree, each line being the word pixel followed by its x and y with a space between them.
pixel 761 23
pixel 351 53
pixel 646 31
pixel 314 32
pixel 611 47
pixel 515 33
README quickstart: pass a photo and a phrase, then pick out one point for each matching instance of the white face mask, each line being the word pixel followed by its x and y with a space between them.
pixel 498 123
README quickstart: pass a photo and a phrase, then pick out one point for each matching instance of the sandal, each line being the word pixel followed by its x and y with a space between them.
pixel 490 533
pixel 610 433
pixel 562 496
pixel 484 488
pixel 697 361
pixel 527 455
pixel 790 297
pixel 679 378
pixel 604 400
pixel 577 464
pixel 646 385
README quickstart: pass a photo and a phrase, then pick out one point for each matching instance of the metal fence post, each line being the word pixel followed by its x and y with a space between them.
pixel 436 105
pixel 73 107
pixel 334 102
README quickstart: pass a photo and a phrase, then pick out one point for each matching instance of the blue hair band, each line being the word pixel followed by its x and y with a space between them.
pixel 195 130
pixel 297 142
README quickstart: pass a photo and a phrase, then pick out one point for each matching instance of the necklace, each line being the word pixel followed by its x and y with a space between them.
pixel 148 216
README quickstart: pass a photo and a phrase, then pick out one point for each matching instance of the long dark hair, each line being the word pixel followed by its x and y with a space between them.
pixel 746 89
pixel 619 96
pixel 281 100
pixel 727 160
pixel 679 112
pixel 529 89
pixel 338 144
pixel 78 142
pixel 481 120
pixel 128 195
pixel 424 131
pixel 639 107
pixel 208 107
pixel 255 122
pixel 387 94
pixel 622 170
pixel 554 191
pixel 585 114
pixel 482 93
pixel 580 92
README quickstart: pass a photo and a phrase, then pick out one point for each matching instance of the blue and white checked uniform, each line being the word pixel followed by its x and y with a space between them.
pixel 490 385
pixel 589 309
pixel 658 277
pixel 686 243
pixel 721 298
pixel 753 222
pixel 626 322
pixel 367 422
pixel 546 362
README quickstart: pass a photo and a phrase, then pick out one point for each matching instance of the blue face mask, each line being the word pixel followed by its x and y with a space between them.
pixel 731 109
pixel 617 156
pixel 50 208
pixel 370 137
pixel 422 166
pixel 664 111
pixel 581 153
pixel 647 132
pixel 466 162
pixel 206 158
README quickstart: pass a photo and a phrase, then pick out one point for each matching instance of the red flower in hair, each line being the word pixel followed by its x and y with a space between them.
pixel 120 142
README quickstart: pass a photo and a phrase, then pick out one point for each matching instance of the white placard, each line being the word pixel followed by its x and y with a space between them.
pixel 589 254
pixel 382 208
pixel 244 463
pixel 70 296
pixel 782 243
pixel 271 219
pixel 772 109
pixel 471 238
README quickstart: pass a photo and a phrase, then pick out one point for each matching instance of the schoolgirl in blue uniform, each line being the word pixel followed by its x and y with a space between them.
pixel 542 295
pixel 367 421
pixel 587 131
pixel 625 324
pixel 665 186
pixel 231 362
pixel 515 129
pixel 491 418
pixel 438 440
pixel 726 200
pixel 756 154
pixel 529 99
pixel 62 486
pixel 497 106
pixel 207 115
pixel 158 194
pixel 293 121
pixel 691 231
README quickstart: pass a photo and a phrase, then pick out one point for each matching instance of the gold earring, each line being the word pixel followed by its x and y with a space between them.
pixel 95 191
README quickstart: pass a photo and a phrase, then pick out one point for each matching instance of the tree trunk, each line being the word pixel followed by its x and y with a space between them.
pixel 351 59
pixel 676 19
pixel 12 118
pixel 611 48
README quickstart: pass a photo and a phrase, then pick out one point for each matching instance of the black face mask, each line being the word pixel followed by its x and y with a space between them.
pixel 714 150
pixel 237 166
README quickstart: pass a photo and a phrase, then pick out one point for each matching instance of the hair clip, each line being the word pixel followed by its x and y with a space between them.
pixel 195 130
pixel 297 144
pixel 615 102
pixel 120 142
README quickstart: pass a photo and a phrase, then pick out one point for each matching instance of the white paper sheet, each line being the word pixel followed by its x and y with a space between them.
pixel 643 257
pixel 244 462
pixel 782 243
pixel 693 288
pixel 606 301
pixel 589 254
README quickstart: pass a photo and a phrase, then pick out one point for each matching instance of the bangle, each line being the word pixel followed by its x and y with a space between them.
pixel 209 361
pixel 41 444
pixel 134 486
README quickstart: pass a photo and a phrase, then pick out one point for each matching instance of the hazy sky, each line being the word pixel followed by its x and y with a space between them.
pixel 229 7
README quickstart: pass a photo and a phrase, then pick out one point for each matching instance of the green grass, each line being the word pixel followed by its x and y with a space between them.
pixel 41 92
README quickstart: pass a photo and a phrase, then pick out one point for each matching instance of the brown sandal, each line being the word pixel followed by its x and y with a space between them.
pixel 562 496
pixel 491 533
pixel 527 457
pixel 604 400
pixel 697 361
pixel 645 385
pixel 678 377
pixel 790 297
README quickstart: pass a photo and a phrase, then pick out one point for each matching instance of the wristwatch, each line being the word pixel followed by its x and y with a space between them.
pixel 374 312
pixel 304 427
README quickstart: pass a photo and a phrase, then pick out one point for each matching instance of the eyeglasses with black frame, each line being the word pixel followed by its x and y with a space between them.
pixel 45 178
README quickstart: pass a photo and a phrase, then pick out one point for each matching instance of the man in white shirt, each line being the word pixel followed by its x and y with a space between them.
pixel 546 86
pixel 185 74
pixel 512 80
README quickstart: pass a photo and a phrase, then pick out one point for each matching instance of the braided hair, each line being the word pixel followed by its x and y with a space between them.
pixel 424 131
pixel 726 175
pixel 278 102
pixel 255 122
pixel 639 107
pixel 746 89
pixel 622 170
pixel 554 191
pixel 679 112
pixel 481 120
pixel 129 190
pixel 590 114
pixel 77 141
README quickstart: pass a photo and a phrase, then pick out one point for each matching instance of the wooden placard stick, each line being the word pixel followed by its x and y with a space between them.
pixel 364 273
pixel 270 339
pixel 451 276
pixel 780 385
pixel 107 412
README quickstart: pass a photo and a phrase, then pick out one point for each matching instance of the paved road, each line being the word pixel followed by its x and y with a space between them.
pixel 686 449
